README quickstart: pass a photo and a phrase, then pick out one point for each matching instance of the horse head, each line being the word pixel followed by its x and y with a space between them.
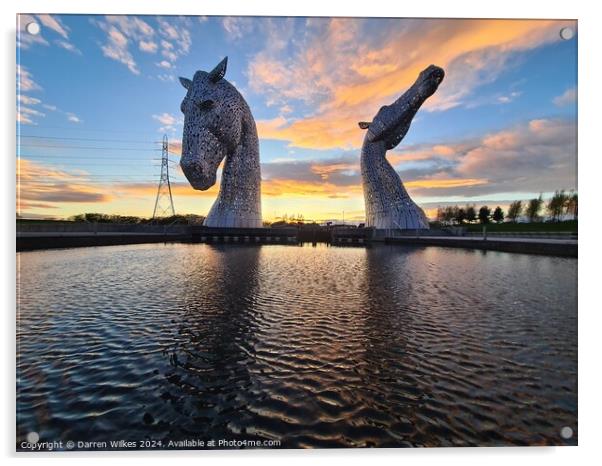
pixel 213 124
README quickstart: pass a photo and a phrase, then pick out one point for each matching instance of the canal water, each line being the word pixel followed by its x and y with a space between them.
pixel 307 346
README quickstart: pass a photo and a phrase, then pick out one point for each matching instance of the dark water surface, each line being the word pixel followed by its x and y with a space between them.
pixel 315 347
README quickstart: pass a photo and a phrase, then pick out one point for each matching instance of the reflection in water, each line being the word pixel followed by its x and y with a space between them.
pixel 312 346
pixel 213 351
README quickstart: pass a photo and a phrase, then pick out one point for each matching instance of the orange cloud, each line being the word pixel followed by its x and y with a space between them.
pixel 445 183
pixel 297 188
pixel 145 190
pixel 37 182
pixel 539 156
pixel 348 78
pixel 325 170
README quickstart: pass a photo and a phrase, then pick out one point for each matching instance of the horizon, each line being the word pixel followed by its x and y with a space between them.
pixel 97 93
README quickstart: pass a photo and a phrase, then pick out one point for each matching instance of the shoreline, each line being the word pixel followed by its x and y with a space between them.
pixel 66 240
pixel 548 247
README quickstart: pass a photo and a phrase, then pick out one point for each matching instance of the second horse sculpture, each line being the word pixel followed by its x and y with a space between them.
pixel 388 205
pixel 218 124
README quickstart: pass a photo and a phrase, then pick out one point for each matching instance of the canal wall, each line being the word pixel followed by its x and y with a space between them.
pixel 33 236
pixel 284 235
pixel 56 241
pixel 70 234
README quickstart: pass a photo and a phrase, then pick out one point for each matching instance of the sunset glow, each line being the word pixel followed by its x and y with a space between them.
pixel 96 94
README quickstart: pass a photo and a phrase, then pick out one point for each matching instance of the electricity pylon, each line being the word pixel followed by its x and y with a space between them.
pixel 164 201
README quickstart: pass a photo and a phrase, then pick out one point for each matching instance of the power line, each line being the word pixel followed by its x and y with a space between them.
pixel 89 182
pixel 120 165
pixel 86 139
pixel 95 130
pixel 89 147
pixel 85 159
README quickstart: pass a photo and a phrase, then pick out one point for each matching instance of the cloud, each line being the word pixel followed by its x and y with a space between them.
pixel 117 49
pixel 237 27
pixel 568 97
pixel 175 146
pixel 131 26
pixel 537 156
pixel 506 99
pixel 28 100
pixel 176 38
pixel 24 39
pixel 121 31
pixel 31 111
pixel 68 46
pixel 73 118
pixel 339 178
pixel 50 22
pixel 166 119
pixel 347 68
pixel 42 183
pixel 25 82
pixel 55 24
pixel 445 183
pixel 147 46
pixel 25 115
pixel 164 64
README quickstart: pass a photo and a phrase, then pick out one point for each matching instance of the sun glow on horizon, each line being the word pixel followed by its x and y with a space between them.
pixel 490 133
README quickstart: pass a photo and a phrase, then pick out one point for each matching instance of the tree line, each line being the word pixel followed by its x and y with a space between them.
pixel 560 204
pixel 93 217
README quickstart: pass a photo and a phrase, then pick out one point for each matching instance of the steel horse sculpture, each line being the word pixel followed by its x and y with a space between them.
pixel 388 205
pixel 218 124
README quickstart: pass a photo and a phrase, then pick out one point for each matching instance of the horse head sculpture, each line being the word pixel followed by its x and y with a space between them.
pixel 218 125
pixel 388 205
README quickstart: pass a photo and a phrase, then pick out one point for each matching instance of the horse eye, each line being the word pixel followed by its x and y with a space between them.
pixel 206 104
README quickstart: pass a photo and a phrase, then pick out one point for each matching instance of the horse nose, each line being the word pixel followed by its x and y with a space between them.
pixel 436 73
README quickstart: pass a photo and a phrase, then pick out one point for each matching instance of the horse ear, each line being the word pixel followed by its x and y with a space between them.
pixel 219 71
pixel 363 124
pixel 186 82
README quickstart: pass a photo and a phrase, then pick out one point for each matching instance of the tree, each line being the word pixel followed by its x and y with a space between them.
pixel 459 215
pixel 571 204
pixel 498 215
pixel 471 213
pixel 533 208
pixel 484 213
pixel 515 210
pixel 448 214
pixel 557 204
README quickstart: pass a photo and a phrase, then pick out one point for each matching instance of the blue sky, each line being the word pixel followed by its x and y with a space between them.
pixel 97 93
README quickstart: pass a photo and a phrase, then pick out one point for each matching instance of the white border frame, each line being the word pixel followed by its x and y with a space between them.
pixel 590 27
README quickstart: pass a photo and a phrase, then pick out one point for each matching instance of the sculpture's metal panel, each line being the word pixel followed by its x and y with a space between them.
pixel 218 124
pixel 388 205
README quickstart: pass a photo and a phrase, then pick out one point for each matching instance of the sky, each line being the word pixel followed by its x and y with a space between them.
pixel 96 94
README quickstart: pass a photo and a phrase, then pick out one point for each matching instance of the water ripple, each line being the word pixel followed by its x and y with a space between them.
pixel 316 347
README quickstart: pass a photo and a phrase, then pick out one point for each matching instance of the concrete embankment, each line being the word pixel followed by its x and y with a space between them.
pixel 33 237
pixel 552 247
pixel 69 234
pixel 30 242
